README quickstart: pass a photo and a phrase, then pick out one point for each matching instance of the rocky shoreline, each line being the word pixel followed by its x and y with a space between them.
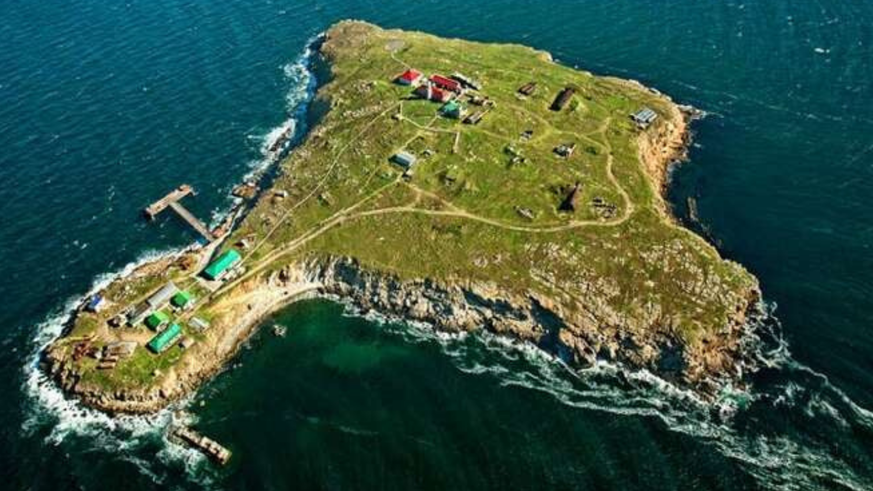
pixel 598 332
pixel 450 307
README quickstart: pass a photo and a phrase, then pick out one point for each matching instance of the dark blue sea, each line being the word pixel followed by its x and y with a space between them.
pixel 106 105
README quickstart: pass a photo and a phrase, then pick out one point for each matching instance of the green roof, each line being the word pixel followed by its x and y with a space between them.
pixel 451 107
pixel 221 265
pixel 166 337
pixel 181 299
pixel 156 319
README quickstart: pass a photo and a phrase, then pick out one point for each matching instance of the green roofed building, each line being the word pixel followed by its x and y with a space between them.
pixel 453 109
pixel 181 299
pixel 218 268
pixel 164 339
pixel 156 320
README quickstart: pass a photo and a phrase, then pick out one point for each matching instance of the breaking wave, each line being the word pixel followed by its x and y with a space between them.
pixel 755 427
pixel 67 419
pixel 275 143
pixel 302 83
pixel 47 408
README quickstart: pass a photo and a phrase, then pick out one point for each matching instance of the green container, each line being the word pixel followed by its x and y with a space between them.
pixel 181 299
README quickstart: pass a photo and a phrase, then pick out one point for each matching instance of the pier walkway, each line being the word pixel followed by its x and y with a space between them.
pixel 171 200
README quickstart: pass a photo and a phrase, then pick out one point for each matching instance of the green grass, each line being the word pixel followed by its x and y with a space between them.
pixel 644 270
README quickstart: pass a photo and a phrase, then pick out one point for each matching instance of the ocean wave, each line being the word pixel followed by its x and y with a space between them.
pixel 777 459
pixel 65 418
pixel 302 85
pixel 47 407
pixel 276 142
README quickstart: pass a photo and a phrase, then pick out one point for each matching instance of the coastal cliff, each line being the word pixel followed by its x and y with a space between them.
pixel 474 239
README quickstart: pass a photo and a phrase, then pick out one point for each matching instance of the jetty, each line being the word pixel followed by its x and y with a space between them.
pixel 171 200
pixel 208 446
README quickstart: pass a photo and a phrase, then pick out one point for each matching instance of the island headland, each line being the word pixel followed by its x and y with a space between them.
pixel 466 185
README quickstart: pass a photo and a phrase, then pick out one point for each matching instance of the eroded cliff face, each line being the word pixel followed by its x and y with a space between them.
pixel 579 340
pixel 588 315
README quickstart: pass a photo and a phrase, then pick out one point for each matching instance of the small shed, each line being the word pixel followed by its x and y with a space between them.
pixel 199 324
pixel 165 339
pixel 474 118
pixel 644 117
pixel 156 320
pixel 404 159
pixel 181 299
pixel 186 342
pixel 453 109
pixel 566 149
pixel 528 89
pixel 409 77
pixel 96 303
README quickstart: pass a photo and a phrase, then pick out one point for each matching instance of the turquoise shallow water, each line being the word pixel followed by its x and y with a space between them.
pixel 105 106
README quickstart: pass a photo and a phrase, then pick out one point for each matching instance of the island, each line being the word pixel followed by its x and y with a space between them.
pixel 467 185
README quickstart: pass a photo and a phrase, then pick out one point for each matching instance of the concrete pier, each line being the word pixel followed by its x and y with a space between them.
pixel 160 205
pixel 206 445
pixel 171 201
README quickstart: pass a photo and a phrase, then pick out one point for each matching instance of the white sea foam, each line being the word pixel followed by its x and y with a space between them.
pixel 777 461
pixel 605 387
pixel 47 406
pixel 68 418
pixel 302 85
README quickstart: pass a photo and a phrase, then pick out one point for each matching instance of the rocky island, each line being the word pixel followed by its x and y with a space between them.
pixel 470 186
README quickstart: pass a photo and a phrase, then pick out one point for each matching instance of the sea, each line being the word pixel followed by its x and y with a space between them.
pixel 106 105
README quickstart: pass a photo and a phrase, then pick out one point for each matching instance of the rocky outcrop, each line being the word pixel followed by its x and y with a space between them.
pixel 576 323
pixel 578 339
pixel 447 306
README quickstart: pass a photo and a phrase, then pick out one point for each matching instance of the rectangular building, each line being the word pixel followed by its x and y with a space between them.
pixel 221 266
pixel 409 77
pixel 446 83
pixel 162 296
pixel 96 303
pixel 157 320
pixel 453 110
pixel 138 314
pixel 404 159
pixel 181 299
pixel 165 339
pixel 644 117
pixel 563 98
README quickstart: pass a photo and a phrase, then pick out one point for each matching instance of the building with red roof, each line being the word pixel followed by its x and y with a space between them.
pixel 409 77
pixel 432 93
pixel 446 83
